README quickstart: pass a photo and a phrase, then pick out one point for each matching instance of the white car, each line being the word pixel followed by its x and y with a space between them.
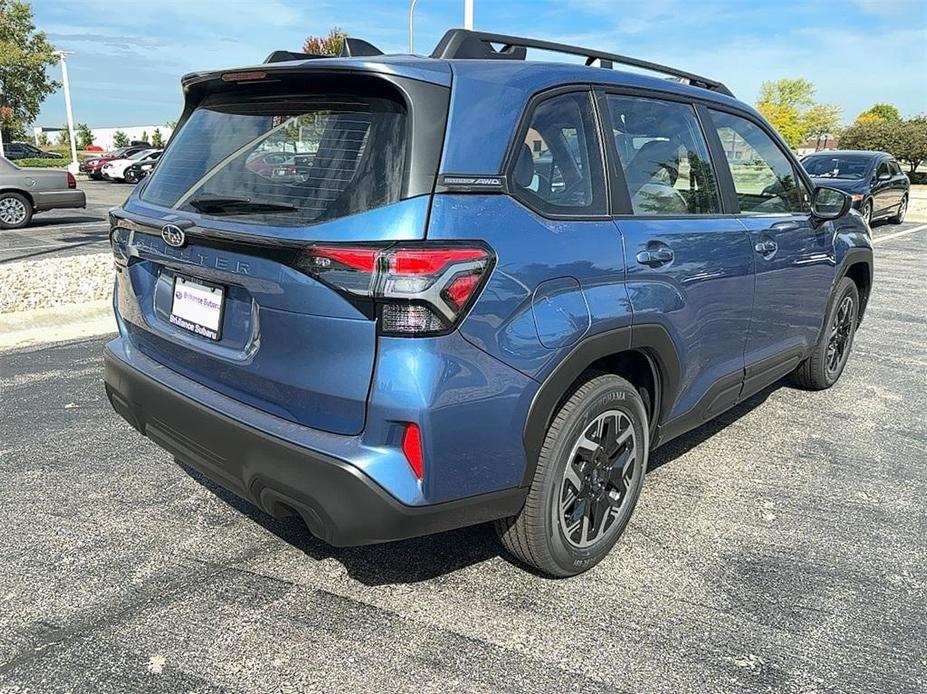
pixel 115 170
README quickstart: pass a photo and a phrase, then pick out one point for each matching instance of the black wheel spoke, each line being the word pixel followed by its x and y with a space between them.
pixel 601 509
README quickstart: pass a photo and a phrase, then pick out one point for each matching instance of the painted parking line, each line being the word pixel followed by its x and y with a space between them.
pixel 880 239
pixel 47 246
pixel 55 227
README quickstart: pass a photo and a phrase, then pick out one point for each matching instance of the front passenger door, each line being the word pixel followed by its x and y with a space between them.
pixel 793 254
pixel 883 193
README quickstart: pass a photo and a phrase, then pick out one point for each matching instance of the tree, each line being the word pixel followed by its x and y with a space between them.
pixel 821 119
pixel 42 140
pixel 327 45
pixel 789 105
pixel 786 120
pixel 157 139
pixel 910 142
pixel 797 93
pixel 64 137
pixel 906 140
pixel 120 139
pixel 84 136
pixel 144 136
pixel 24 55
pixel 879 112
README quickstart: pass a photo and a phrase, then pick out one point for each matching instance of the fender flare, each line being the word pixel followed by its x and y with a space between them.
pixel 652 340
pixel 853 256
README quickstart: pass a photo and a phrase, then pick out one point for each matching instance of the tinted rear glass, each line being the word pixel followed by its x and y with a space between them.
pixel 284 161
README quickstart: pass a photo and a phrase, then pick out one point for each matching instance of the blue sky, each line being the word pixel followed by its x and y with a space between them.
pixel 129 56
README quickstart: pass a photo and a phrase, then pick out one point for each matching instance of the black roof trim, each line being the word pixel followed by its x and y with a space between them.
pixel 352 48
pixel 286 56
pixel 465 44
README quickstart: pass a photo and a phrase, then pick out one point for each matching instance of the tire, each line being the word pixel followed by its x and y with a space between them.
pixel 828 359
pixel 866 211
pixel 604 480
pixel 96 176
pixel 902 211
pixel 15 211
pixel 130 178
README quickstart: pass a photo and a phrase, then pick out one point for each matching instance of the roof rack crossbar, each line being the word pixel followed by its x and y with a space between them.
pixel 462 43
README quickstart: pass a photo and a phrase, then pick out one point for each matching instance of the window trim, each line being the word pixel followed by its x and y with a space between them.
pixel 797 169
pixel 511 156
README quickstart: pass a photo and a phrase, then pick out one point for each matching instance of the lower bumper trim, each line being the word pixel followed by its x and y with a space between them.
pixel 338 502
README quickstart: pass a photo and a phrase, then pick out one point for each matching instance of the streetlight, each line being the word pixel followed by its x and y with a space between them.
pixel 468 21
pixel 412 26
pixel 72 167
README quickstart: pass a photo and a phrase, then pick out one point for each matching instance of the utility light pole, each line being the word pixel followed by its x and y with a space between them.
pixel 412 26
pixel 468 14
pixel 67 105
pixel 2 153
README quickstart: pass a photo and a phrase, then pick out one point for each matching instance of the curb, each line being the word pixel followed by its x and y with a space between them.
pixel 56 324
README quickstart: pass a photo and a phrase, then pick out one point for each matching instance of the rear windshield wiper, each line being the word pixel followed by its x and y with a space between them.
pixel 223 205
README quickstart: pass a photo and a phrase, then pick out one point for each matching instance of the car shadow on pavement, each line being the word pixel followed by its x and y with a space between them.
pixel 673 449
pixel 432 556
pixel 404 561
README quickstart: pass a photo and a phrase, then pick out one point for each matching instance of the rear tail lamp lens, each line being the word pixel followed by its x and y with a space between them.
pixel 72 182
pixel 419 290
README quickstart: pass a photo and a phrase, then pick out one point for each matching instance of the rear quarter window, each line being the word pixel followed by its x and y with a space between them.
pixel 285 161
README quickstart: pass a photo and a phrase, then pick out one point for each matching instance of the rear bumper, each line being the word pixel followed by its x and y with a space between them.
pixel 338 502
pixel 66 199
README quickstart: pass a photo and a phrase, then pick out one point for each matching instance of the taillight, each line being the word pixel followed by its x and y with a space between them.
pixel 72 182
pixel 418 290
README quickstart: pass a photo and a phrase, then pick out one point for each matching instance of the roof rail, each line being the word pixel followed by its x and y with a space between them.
pixel 465 44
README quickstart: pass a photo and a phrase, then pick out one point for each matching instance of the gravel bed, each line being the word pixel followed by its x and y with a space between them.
pixel 51 282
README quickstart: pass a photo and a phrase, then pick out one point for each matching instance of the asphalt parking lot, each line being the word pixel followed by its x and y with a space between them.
pixel 780 548
pixel 66 232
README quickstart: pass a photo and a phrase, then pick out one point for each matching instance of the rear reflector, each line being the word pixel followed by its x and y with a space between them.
pixel 420 290
pixel 412 449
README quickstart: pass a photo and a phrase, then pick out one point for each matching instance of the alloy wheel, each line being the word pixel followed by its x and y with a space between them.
pixel 12 211
pixel 597 477
pixel 902 210
pixel 840 335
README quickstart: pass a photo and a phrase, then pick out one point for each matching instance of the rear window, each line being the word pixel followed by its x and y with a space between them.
pixel 284 161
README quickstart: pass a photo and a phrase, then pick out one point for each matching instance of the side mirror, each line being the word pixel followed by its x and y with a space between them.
pixel 830 203
pixel 884 176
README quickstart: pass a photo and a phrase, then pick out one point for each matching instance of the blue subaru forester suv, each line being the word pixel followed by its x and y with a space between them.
pixel 394 295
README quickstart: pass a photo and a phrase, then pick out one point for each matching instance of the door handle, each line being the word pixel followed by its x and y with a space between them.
pixel 659 256
pixel 766 247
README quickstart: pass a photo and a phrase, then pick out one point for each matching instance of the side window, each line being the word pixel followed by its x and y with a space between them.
pixel 664 156
pixel 896 170
pixel 883 169
pixel 764 178
pixel 558 164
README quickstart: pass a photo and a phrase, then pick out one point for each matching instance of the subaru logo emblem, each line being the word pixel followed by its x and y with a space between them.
pixel 173 235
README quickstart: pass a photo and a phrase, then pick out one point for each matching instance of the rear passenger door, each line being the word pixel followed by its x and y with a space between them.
pixel 793 254
pixel 690 265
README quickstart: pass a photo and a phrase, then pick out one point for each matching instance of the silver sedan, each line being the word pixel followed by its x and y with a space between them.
pixel 24 192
